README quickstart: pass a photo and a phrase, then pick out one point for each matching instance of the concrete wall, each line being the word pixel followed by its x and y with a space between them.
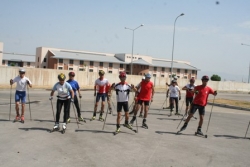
pixel 46 78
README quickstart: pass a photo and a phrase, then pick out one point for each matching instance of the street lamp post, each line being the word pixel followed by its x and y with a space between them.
pixel 131 66
pixel 173 46
pixel 249 64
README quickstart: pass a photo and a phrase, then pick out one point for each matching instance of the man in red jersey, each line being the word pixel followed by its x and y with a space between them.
pixel 145 96
pixel 100 86
pixel 200 101
pixel 189 95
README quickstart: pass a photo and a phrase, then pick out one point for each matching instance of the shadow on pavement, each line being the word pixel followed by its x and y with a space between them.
pixel 5 120
pixel 157 114
pixel 231 137
pixel 174 119
pixel 173 133
pixel 35 128
pixel 40 120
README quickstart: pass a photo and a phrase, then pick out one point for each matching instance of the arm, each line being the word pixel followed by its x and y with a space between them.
pixel 29 83
pixel 153 92
pixel 185 88
pixel 167 93
pixel 72 94
pixel 95 90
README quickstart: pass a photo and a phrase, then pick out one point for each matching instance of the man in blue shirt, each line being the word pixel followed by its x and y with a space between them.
pixel 75 87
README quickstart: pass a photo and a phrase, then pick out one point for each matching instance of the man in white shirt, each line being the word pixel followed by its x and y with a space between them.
pixel 175 95
pixel 20 94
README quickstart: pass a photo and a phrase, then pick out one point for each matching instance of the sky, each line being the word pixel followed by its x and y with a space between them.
pixel 209 35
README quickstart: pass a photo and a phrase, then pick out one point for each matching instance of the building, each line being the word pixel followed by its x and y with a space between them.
pixel 18 60
pixel 54 58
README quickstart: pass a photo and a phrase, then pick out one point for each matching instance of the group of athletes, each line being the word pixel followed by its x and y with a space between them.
pixel 196 98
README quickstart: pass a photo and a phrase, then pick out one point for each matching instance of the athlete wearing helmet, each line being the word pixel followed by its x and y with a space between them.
pixel 200 101
pixel 20 94
pixel 122 96
pixel 75 86
pixel 189 94
pixel 144 97
pixel 65 96
pixel 175 96
pixel 100 86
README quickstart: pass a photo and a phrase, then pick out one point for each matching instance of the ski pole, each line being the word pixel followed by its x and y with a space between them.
pixel 181 121
pixel 210 117
pixel 105 119
pixel 136 124
pixel 52 110
pixel 247 130
pixel 77 122
pixel 181 106
pixel 29 101
pixel 10 100
pixel 162 105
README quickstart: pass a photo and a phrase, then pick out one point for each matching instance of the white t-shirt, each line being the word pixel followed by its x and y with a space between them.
pixel 63 90
pixel 189 86
pixel 101 85
pixel 174 91
pixel 122 92
pixel 21 83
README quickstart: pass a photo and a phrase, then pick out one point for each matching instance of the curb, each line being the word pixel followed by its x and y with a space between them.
pixel 228 106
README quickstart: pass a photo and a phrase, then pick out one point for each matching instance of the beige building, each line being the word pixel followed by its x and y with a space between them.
pixel 1 53
pixel 54 58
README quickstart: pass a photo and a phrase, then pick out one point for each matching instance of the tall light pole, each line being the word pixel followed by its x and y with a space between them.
pixel 131 65
pixel 249 64
pixel 173 46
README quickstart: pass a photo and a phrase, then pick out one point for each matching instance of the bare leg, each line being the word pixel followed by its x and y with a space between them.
pixel 17 108
pixel 201 120
pixel 23 108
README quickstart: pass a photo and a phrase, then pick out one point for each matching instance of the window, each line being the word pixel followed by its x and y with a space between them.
pixel 154 75
pixel 185 77
pixel 3 61
pixel 178 70
pixel 193 71
pixel 169 76
pixel 44 60
pixel 110 64
pixel 101 64
pixel 127 66
pixel 81 62
pixel 90 70
pixel 71 61
pixel 155 68
pixel 121 65
pixel 28 63
pixel 38 59
pixel 186 71
pixel 60 60
pixel 60 68
pixel 91 63
pixel 80 69
pixel 170 70
pixel 163 69
pixel 44 66
pixel 162 76
pixel 110 72
pixel 71 69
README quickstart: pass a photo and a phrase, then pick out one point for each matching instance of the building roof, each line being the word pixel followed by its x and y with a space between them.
pixel 19 58
pixel 141 62
pixel 162 63
pixel 85 56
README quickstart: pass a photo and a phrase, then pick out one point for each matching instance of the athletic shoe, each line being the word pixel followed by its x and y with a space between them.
pixel 170 113
pixel 132 120
pixel 93 118
pixel 183 127
pixel 64 126
pixel 56 126
pixel 101 119
pixel 110 110
pixel 131 112
pixel 118 130
pixel 177 113
pixel 22 118
pixel 199 132
pixel 140 114
pixel 128 126
pixel 68 120
pixel 80 119
pixel 17 118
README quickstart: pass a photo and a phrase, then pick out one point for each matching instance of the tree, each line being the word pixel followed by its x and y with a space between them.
pixel 215 77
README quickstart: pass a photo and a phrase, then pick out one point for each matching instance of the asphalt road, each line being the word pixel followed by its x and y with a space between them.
pixel 30 144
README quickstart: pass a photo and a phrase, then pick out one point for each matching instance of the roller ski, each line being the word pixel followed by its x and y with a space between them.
pixel 93 118
pixel 101 119
pixel 118 130
pixel 17 119
pixel 199 133
pixel 81 119
pixel 140 115
pixel 22 119
pixel 68 120
pixel 129 127
pixel 64 128
pixel 144 125
pixel 110 110
pixel 182 128
pixel 178 114
pixel 170 114
pixel 131 112
pixel 55 128
pixel 132 121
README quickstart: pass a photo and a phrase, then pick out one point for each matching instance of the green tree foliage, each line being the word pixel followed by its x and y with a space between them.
pixel 215 77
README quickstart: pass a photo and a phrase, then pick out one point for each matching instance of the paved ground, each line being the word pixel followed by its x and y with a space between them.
pixel 31 144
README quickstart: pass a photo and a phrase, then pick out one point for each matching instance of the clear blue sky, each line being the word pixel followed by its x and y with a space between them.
pixel 208 35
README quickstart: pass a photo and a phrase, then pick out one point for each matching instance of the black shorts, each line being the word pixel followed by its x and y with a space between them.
pixel 123 105
pixel 146 103
pixel 189 100
pixel 201 109
pixel 100 95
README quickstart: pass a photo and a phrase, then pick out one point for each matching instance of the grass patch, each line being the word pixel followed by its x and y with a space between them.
pixel 244 104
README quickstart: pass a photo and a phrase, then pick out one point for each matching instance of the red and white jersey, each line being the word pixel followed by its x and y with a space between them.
pixel 122 92
pixel 146 90
pixel 101 85
pixel 188 93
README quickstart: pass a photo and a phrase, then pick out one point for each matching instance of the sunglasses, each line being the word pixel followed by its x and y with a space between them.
pixel 72 76
pixel 22 72
pixel 205 80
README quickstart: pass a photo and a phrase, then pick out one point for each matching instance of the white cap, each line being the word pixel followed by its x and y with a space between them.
pixel 175 77
pixel 143 77
pixel 21 70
